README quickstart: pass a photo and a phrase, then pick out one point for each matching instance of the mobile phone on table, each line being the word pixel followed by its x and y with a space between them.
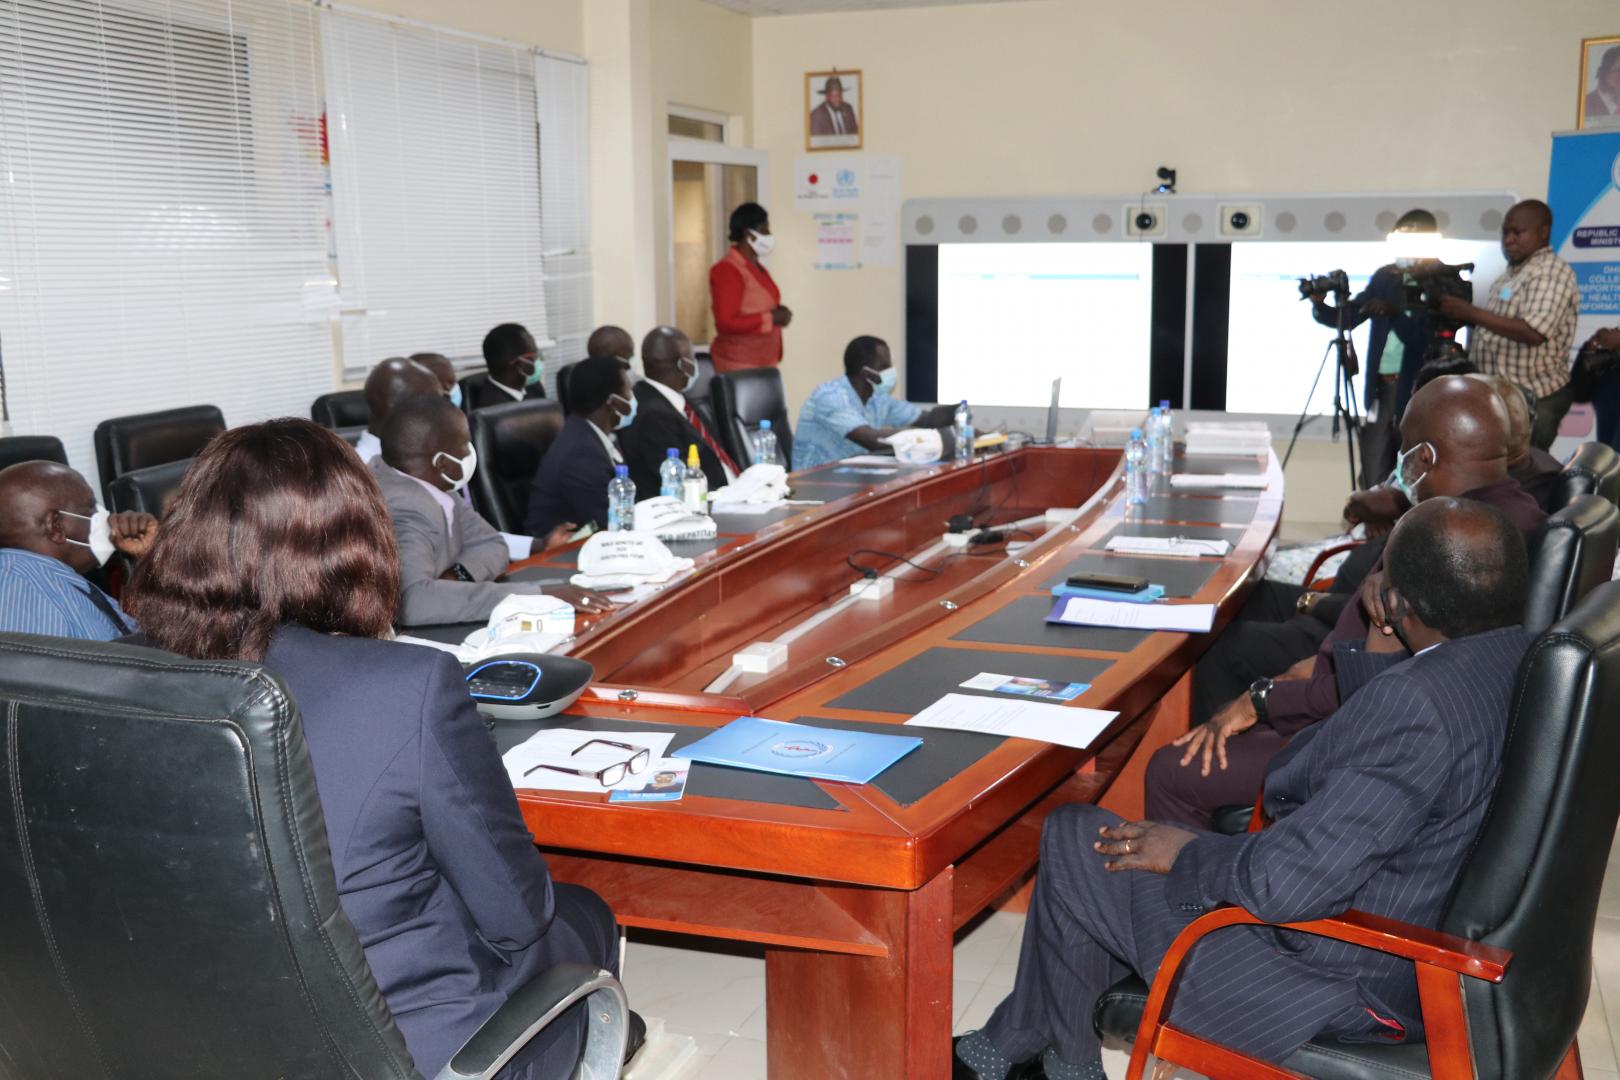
pixel 1107 582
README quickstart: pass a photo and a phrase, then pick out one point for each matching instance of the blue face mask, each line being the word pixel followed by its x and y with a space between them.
pixel 885 379
pixel 628 418
pixel 455 395
pixel 1401 478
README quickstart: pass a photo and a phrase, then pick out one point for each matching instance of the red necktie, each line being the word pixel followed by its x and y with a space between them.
pixel 708 440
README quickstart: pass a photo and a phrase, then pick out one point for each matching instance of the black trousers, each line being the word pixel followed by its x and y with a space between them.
pixel 1380 437
pixel 1265 639
pixel 583 931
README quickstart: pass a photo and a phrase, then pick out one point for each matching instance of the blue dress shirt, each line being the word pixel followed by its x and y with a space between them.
pixel 833 410
pixel 40 595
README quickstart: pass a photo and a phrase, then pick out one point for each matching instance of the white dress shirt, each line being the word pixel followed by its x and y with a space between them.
pixel 368 447
pixel 680 404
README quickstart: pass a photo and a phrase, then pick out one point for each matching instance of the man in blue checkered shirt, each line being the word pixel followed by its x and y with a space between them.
pixel 849 415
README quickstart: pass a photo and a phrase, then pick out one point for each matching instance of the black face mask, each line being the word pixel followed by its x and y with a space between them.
pixel 1396 609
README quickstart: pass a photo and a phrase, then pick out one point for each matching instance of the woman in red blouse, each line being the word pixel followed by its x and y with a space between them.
pixel 748 311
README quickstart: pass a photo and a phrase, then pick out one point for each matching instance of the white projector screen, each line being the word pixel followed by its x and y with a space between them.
pixel 1013 317
pixel 1273 344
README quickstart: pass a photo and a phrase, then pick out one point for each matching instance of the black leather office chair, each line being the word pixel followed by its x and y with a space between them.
pixel 510 440
pixel 147 490
pixel 1571 555
pixel 20 448
pixel 341 409
pixel 565 375
pixel 167 903
pixel 1594 469
pixel 741 400
pixel 351 435
pixel 469 383
pixel 700 393
pixel 1530 886
pixel 135 442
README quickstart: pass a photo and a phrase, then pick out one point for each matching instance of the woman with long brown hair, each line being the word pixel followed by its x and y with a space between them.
pixel 278 549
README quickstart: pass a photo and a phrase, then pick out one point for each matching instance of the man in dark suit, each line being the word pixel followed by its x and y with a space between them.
pixel 665 420
pixel 834 116
pixel 1455 442
pixel 1603 100
pixel 1375 810
pixel 513 360
pixel 571 483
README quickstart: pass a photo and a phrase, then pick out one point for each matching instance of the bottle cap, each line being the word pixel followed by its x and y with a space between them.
pixel 674 453
pixel 692 455
pixel 1136 432
pixel 764 425
pixel 1165 404
pixel 1156 411
pixel 621 470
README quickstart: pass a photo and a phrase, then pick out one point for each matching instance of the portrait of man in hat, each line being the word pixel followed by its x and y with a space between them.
pixel 1600 82
pixel 833 100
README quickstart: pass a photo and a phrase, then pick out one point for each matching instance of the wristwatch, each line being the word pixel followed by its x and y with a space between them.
pixel 1306 601
pixel 1259 690
pixel 462 573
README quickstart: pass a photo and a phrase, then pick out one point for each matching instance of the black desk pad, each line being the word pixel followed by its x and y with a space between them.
pixel 941 757
pixel 1189 532
pixel 1221 511
pixel 1023 622
pixel 449 633
pixel 714 781
pixel 686 549
pixel 916 684
pixel 744 524
pixel 1215 466
pixel 539 575
pixel 829 489
pixel 1180 577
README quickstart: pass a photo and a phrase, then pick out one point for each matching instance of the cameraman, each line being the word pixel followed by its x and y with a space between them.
pixel 1606 394
pixel 1527 326
pixel 1397 341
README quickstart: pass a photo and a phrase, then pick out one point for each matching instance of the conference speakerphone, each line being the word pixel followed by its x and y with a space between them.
pixel 527 687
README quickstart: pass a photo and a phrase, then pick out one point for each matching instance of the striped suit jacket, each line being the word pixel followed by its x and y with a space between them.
pixel 1375 809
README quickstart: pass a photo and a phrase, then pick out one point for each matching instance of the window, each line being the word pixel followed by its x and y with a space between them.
pixel 692 127
pixel 162 225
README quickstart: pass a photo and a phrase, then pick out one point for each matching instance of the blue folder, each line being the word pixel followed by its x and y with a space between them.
pixel 1142 596
pixel 750 742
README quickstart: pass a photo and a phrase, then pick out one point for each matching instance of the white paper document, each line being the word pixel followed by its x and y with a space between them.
pixel 1183 546
pixel 1061 724
pixel 557 746
pixel 1217 480
pixel 1189 618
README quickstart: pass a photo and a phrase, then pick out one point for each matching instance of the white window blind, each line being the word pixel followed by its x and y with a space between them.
pixel 562 87
pixel 436 189
pixel 162 212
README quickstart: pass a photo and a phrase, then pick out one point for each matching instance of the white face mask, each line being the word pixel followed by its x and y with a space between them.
pixel 101 542
pixel 466 465
pixel 689 376
pixel 762 243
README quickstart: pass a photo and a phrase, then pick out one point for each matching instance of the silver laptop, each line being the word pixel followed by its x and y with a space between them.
pixel 1052 413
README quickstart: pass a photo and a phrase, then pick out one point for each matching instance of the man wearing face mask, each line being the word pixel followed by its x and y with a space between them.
pixel 450 558
pixel 571 483
pixel 52 533
pixel 387 384
pixel 851 415
pixel 515 371
pixel 1454 441
pixel 612 341
pixel 444 371
pixel 748 313
pixel 665 420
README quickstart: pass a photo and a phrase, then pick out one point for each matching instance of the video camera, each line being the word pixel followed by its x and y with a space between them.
pixel 1334 281
pixel 1432 282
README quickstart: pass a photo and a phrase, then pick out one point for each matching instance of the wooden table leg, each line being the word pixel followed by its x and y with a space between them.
pixel 830 1015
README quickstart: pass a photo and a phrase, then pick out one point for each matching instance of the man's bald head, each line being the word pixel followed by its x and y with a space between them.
pixel 1460 565
pixel 611 341
pixel 666 354
pixel 31 494
pixel 1456 431
pixel 1518 410
pixel 391 382
pixel 418 430
pixel 440 365
pixel 1526 229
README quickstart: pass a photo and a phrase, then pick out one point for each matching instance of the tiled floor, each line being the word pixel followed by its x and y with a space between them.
pixel 718 996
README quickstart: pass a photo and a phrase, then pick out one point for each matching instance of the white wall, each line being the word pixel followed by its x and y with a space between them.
pixel 1090 96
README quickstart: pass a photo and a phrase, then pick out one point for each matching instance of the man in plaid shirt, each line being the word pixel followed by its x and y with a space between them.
pixel 1526 328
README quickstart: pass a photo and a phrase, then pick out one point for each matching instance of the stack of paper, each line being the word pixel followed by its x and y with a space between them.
pixel 1061 724
pixel 1187 618
pixel 1180 546
pixel 1228 440
pixel 578 748
pixel 1217 480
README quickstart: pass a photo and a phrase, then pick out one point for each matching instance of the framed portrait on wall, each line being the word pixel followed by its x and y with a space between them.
pixel 1600 83
pixel 832 107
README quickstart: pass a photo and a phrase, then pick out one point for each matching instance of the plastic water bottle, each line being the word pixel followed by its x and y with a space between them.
pixel 694 485
pixel 621 500
pixel 671 474
pixel 764 444
pixel 1155 441
pixel 962 429
pixel 1168 424
pixel 1136 487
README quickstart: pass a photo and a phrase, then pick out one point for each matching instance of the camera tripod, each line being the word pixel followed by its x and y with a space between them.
pixel 1345 409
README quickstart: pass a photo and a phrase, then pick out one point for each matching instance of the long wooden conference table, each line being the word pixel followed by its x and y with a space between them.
pixel 855 892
